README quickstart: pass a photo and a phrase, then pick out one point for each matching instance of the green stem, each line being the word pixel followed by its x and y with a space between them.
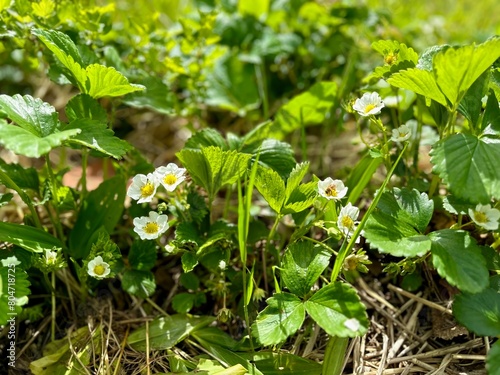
pixel 262 85
pixel 56 222
pixel 346 249
pixel 434 185
pixel 53 300
pixel 268 248
pixel 26 199
pixel 83 180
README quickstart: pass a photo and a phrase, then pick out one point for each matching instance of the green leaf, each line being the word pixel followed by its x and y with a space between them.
pixel 471 104
pixel 491 118
pixel 301 198
pixel 25 178
pixel 419 81
pixel 157 96
pixel 361 176
pixel 309 108
pixel 255 8
pixel 269 183
pixel 295 178
pixel 232 85
pixel 400 51
pixel 183 302
pixel 397 238
pixel 28 238
pixel 67 53
pixel 409 206
pixel 107 81
pixel 456 69
pixel 282 317
pixel 96 136
pixel 34 115
pixel 5 198
pixel 204 138
pixel 139 283
pixel 333 305
pixel 142 255
pixel 479 312
pixel 459 260
pixel 189 261
pixel 83 106
pixel 273 154
pixel 469 165
pixel 19 289
pixel 213 168
pixel 283 363
pixel 23 142
pixel 493 359
pixel 102 207
pixel 302 265
pixel 166 331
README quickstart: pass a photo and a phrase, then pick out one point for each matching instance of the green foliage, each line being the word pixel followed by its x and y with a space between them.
pixel 493 359
pixel 302 265
pixel 308 108
pixel 139 283
pixel 468 165
pixel 102 207
pixel 479 312
pixel 28 238
pixel 166 331
pixel 142 255
pixel 213 168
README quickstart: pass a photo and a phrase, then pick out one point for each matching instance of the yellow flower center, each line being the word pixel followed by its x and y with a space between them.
pixel 147 190
pixel 369 107
pixel 99 269
pixel 480 217
pixel 331 191
pixel 347 222
pixel 170 179
pixel 151 228
pixel 391 58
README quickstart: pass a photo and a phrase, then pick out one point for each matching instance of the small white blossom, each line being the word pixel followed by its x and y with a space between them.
pixel 10 261
pixel 353 324
pixel 98 268
pixel 50 257
pixel 222 265
pixel 347 219
pixel 368 104
pixel 170 176
pixel 485 216
pixel 169 249
pixel 152 227
pixel 332 189
pixel 401 134
pixel 143 188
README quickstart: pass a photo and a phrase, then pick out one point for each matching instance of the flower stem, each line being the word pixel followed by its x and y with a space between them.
pixel 53 301
pixel 346 249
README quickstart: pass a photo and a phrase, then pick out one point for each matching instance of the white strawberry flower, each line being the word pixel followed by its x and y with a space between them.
pixel 10 261
pixel 401 134
pixel 485 216
pixel 151 227
pixel 143 187
pixel 369 104
pixel 50 257
pixel 347 219
pixel 332 189
pixel 170 176
pixel 98 268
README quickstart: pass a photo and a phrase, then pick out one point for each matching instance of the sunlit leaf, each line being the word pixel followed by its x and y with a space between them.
pixel 166 331
pixel 282 317
pixel 338 310
pixel 107 81
pixel 469 166
pixel 28 238
pixel 459 260
pixel 302 265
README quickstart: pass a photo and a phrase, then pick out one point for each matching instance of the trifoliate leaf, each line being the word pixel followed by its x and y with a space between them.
pixel 269 183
